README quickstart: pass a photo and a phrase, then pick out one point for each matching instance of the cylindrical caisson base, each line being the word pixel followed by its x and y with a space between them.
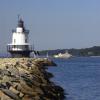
pixel 19 54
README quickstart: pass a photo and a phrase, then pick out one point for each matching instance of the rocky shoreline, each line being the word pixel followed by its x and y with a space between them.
pixel 27 79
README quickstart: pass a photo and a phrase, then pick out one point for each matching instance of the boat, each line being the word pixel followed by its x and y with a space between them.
pixel 47 55
pixel 63 55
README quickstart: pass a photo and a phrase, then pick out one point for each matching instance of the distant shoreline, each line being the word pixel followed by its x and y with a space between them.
pixel 92 51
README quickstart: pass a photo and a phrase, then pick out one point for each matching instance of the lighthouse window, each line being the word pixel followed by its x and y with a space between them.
pixel 25 40
pixel 14 40
pixel 14 46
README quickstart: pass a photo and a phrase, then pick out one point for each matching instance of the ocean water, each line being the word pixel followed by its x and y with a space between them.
pixel 79 76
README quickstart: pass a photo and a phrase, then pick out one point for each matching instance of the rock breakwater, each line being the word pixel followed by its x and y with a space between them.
pixel 27 79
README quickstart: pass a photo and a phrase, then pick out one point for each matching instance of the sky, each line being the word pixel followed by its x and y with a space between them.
pixel 53 24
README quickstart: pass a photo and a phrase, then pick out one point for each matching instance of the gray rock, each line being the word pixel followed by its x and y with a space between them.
pixel 11 94
pixel 14 90
pixel 6 79
pixel 21 94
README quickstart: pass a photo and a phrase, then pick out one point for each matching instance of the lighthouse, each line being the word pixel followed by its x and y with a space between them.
pixel 20 46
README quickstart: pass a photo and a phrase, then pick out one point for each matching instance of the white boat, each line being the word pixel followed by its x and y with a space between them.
pixel 63 55
pixel 47 55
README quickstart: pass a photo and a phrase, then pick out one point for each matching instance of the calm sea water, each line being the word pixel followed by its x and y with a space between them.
pixel 80 77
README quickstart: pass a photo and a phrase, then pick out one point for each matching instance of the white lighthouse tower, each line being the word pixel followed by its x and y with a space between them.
pixel 20 46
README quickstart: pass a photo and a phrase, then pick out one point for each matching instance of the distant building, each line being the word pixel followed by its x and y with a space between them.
pixel 20 46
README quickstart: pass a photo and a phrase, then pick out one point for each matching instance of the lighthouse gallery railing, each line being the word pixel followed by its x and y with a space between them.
pixel 20 48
